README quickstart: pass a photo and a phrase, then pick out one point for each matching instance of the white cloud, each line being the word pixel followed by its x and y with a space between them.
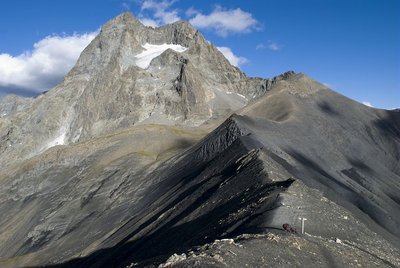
pixel 274 46
pixel 161 13
pixel 260 46
pixel 225 21
pixel 270 45
pixel 367 103
pixel 44 66
pixel 191 12
pixel 149 22
pixel 126 5
pixel 231 57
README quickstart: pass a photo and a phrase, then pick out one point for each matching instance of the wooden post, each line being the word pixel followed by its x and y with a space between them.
pixel 302 224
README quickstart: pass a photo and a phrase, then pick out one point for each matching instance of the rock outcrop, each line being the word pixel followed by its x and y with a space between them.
pixel 174 157
pixel 107 90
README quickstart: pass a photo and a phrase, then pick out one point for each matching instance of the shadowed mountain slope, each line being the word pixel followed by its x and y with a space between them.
pixel 128 75
pixel 176 174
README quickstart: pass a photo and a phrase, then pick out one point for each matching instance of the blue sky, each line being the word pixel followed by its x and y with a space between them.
pixel 351 45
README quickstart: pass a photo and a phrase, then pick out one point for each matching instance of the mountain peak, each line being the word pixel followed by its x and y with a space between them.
pixel 182 24
pixel 124 19
pixel 131 74
pixel 119 163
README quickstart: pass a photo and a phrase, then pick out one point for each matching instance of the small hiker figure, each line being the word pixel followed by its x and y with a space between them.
pixel 288 228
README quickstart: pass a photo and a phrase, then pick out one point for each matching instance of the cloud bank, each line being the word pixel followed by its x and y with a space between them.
pixel 221 21
pixel 45 65
pixel 225 21
pixel 270 45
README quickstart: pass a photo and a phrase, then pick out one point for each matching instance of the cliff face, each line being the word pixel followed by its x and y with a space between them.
pixel 168 149
pixel 132 74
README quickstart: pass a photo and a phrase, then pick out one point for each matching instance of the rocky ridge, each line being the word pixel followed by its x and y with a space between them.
pixel 107 91
pixel 156 170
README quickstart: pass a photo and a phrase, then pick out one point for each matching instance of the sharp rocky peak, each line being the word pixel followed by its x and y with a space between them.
pixel 122 38
pixel 123 19
pixel 176 32
pixel 127 19
pixel 132 74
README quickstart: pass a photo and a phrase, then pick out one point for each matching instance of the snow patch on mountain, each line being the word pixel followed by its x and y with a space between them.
pixel 144 58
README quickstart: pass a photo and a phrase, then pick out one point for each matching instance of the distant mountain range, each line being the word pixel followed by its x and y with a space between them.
pixel 155 151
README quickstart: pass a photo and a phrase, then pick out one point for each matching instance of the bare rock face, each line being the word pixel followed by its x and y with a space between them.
pixel 173 157
pixel 11 104
pixel 132 74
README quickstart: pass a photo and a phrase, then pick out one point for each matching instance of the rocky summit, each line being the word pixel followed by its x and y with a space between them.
pixel 154 151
